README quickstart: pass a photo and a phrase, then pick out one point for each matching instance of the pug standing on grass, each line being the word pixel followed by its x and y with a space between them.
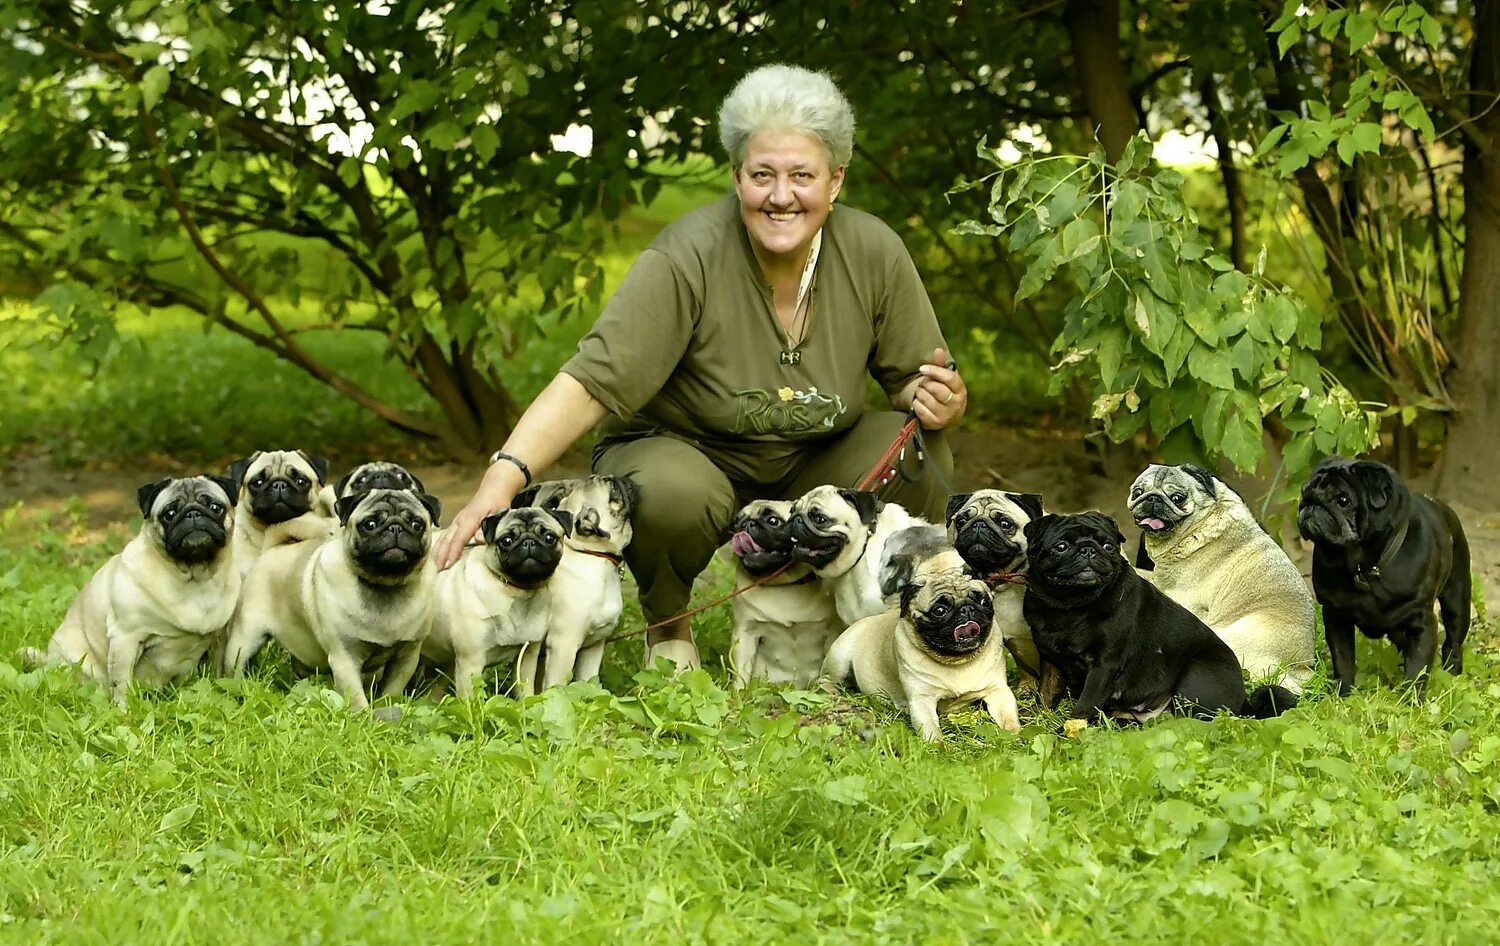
pixel 586 599
pixel 1382 558
pixel 154 610
pixel 1210 556
pixel 988 528
pixel 935 653
pixel 783 626
pixel 359 604
pixel 842 535
pixel 281 499
pixel 494 605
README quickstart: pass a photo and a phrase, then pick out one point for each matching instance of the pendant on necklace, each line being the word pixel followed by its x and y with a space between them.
pixel 791 357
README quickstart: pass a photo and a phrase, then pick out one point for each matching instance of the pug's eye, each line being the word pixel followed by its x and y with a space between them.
pixel 360 480
pixel 168 514
pixel 1179 498
pixel 216 508
pixel 552 504
pixel 1060 547
pixel 369 525
pixel 940 610
pixel 1343 500
pixel 506 541
pixel 418 526
pixel 1109 546
pixel 259 481
pixel 1137 491
pixel 773 521
pixel 549 539
pixel 962 518
pixel 299 479
pixel 819 519
pixel 1007 526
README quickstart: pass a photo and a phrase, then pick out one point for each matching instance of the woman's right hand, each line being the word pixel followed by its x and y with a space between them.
pixel 502 481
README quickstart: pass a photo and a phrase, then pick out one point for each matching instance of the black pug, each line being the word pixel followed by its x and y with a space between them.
pixel 1122 647
pixel 1381 556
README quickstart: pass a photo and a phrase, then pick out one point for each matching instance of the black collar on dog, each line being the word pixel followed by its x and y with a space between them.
pixel 1363 577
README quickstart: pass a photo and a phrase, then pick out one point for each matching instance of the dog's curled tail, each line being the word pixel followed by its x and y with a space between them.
pixel 31 657
pixel 1268 701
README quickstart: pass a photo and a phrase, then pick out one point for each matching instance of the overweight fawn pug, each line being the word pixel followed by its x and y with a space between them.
pixel 154 610
pixel 934 653
pixel 494 606
pixel 358 604
pixel 782 625
pixel 842 535
pixel 281 498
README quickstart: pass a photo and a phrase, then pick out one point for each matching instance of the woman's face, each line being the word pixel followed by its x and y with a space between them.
pixel 786 189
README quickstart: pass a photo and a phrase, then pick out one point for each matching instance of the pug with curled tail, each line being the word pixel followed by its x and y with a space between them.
pixel 153 611
pixel 782 626
pixel 1208 554
pixel 934 653
pixel 358 604
pixel 1382 558
pixel 988 529
pixel 842 534
pixel 281 498
pixel 494 605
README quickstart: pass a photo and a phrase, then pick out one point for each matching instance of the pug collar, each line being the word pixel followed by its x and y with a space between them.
pixel 617 561
pixel 1365 577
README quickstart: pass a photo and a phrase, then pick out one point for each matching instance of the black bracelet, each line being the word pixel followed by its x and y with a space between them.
pixel 499 455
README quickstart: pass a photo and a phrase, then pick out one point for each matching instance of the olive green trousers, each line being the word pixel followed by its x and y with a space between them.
pixel 687 501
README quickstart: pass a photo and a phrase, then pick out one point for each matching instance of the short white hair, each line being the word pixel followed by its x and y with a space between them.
pixel 787 98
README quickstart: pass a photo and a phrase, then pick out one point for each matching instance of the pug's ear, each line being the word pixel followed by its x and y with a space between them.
pixel 416 482
pixel 1376 481
pixel 239 468
pixel 1034 528
pixel 432 504
pixel 955 502
pixel 147 494
pixel 526 497
pixel 895 574
pixel 319 464
pixel 626 492
pixel 1031 502
pixel 338 488
pixel 865 504
pixel 344 506
pixel 490 526
pixel 1205 479
pixel 564 519
pixel 1142 557
pixel 909 589
pixel 226 484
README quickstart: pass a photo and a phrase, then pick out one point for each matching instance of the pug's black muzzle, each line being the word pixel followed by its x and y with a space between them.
pixel 195 536
pixel 529 562
pixel 391 551
pixel 1318 524
pixel 813 548
pixel 985 549
pixel 961 632
pixel 1086 566
pixel 386 480
pixel 278 500
pixel 1154 507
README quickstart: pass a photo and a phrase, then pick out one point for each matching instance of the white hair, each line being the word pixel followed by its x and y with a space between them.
pixel 787 98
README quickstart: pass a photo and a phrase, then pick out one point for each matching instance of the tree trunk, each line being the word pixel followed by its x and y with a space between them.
pixel 1094 30
pixel 1229 175
pixel 1471 456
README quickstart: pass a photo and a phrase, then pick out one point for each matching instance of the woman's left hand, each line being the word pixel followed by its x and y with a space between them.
pixel 941 395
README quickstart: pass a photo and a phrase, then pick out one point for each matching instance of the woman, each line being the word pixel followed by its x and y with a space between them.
pixel 732 360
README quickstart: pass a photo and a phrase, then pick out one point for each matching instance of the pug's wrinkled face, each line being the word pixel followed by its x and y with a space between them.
pixel 951 610
pixel 188 518
pixel 526 544
pixel 1165 497
pixel 760 535
pixel 988 528
pixel 376 474
pixel 601 505
pixel 1080 552
pixel 278 485
pixel 1345 502
pixel 388 532
pixel 830 527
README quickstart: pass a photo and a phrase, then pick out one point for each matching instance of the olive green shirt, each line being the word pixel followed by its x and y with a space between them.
pixel 689 344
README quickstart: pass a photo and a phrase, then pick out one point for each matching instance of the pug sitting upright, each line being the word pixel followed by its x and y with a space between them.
pixel 842 535
pixel 586 599
pixel 281 498
pixel 1210 556
pixel 782 626
pixel 1382 558
pixel 936 652
pixel 988 528
pixel 154 610
pixel 358 604
pixel 493 605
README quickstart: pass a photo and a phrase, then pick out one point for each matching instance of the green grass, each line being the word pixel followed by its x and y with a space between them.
pixel 262 811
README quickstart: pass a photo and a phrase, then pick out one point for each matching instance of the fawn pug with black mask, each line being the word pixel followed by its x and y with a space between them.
pixel 842 535
pixel 1382 557
pixel 494 605
pixel 936 652
pixel 281 497
pixel 1208 554
pixel 358 604
pixel 153 611
pixel 782 625
pixel 1124 649
pixel 988 529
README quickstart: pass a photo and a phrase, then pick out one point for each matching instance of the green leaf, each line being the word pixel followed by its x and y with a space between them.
pixel 1283 316
pixel 1211 366
pixel 177 817
pixel 1270 140
pixel 1242 431
pixel 1416 116
pixel 1245 357
pixel 154 85
pixel 1288 39
pixel 1130 198
pixel 485 141
pixel 1209 421
pixel 1360 28
pixel 1367 137
pixel 850 790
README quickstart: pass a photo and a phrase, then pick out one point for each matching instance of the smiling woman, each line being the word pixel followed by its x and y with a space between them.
pixel 731 362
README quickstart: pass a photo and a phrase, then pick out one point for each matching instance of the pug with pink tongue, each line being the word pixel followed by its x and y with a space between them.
pixel 784 620
pixel 937 652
